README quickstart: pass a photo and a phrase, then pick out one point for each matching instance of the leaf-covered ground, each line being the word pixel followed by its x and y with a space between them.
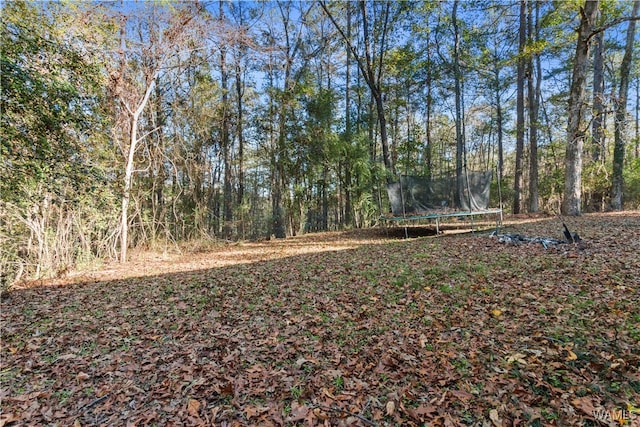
pixel 339 329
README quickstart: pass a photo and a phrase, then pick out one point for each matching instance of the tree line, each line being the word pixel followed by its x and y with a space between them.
pixel 138 124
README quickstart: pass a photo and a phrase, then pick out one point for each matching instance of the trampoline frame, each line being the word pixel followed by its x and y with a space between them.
pixel 437 216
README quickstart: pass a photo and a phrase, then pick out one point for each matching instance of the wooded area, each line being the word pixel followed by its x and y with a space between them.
pixel 149 124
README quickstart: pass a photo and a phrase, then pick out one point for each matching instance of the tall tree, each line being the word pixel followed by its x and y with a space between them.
pixel 459 120
pixel 239 50
pixel 371 63
pixel 291 50
pixel 597 147
pixel 226 142
pixel 348 134
pixel 637 120
pixel 518 179
pixel 428 107
pixel 621 115
pixel 597 124
pixel 571 204
pixel 498 88
pixel 138 65
pixel 533 89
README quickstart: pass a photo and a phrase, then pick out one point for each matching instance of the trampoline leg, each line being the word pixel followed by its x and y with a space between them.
pixel 498 221
pixel 437 226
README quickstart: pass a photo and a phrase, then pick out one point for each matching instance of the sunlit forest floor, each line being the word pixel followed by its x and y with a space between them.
pixel 345 328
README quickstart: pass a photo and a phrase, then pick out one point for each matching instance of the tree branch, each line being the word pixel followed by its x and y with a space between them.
pixel 350 46
pixel 383 42
pixel 611 24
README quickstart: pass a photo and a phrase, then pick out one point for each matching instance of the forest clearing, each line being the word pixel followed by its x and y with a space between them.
pixel 130 124
pixel 191 194
pixel 339 328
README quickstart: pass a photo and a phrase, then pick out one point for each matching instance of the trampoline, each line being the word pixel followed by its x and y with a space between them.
pixel 414 198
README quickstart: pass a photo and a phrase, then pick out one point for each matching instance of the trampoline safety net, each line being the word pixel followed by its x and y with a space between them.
pixel 421 194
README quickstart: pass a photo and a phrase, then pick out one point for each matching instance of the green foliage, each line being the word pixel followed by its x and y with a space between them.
pixel 53 182
pixel 632 184
pixel 50 105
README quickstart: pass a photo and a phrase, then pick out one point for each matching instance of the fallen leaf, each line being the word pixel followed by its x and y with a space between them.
pixel 301 361
pixel 320 414
pixel 585 404
pixel 227 389
pixel 571 356
pixel 214 413
pixel 427 410
pixel 328 394
pixel 390 407
pixel 252 411
pixel 423 341
pixel 461 394
pixel 495 418
pixel 298 412
pixel 496 312
pixel 193 406
pixel 516 358
pixel 8 418
pixel 67 356
pixel 82 376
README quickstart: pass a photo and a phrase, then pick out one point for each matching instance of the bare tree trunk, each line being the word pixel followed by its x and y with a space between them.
pixel 133 102
pixel 240 134
pixel 227 198
pixel 637 147
pixel 375 85
pixel 325 196
pixel 158 178
pixel 457 75
pixel 534 101
pixel 239 52
pixel 348 215
pixel 571 204
pixel 595 199
pixel 278 225
pixel 597 129
pixel 373 151
pixel 617 185
pixel 129 167
pixel 427 130
pixel 499 120
pixel 518 184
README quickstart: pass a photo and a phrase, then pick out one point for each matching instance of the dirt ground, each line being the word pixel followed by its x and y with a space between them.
pixel 145 263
